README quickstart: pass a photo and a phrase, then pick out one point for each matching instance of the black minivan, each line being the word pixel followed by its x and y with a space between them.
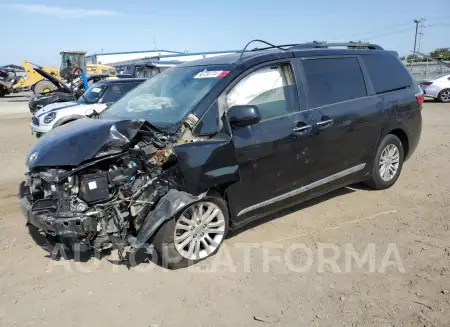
pixel 214 144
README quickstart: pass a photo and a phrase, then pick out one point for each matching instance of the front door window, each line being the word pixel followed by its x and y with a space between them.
pixel 270 88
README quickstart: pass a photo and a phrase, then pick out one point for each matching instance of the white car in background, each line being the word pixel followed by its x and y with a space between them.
pixel 98 97
pixel 438 88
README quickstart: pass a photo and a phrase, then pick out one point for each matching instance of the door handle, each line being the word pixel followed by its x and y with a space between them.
pixel 302 129
pixel 324 123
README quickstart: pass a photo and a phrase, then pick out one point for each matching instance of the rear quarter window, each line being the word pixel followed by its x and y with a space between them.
pixel 387 73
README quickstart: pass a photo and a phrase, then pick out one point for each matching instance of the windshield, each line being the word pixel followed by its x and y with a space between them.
pixel 167 98
pixel 93 94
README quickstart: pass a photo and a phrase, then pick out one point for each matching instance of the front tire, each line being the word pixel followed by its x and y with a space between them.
pixel 3 91
pixel 387 164
pixel 193 235
pixel 43 87
pixel 444 95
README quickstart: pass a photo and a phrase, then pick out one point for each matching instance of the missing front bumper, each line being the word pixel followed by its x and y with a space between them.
pixel 69 227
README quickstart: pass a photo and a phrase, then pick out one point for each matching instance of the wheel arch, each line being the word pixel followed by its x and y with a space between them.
pixel 66 119
pixel 401 134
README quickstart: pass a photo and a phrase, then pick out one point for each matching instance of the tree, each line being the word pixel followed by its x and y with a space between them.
pixel 441 53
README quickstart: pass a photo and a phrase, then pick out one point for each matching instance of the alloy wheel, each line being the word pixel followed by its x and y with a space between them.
pixel 389 162
pixel 445 96
pixel 199 231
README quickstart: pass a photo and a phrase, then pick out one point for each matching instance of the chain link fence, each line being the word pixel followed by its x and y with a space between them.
pixel 427 70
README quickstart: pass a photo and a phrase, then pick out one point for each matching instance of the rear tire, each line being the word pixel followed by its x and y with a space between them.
pixel 43 86
pixel 387 164
pixel 171 252
pixel 444 96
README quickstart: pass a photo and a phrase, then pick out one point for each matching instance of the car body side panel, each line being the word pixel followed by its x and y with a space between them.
pixel 401 112
pixel 207 164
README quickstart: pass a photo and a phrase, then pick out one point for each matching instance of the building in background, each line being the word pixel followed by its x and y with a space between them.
pixel 114 57
pixel 142 57
pixel 147 64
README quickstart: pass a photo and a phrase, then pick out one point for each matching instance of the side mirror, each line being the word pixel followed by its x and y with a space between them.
pixel 244 115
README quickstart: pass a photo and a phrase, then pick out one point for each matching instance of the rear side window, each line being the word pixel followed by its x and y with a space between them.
pixel 387 73
pixel 333 80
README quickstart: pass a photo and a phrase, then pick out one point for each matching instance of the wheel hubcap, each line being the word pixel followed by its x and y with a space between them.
pixel 445 96
pixel 199 231
pixel 389 162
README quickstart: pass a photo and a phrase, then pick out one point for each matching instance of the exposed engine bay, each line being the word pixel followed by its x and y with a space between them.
pixel 104 202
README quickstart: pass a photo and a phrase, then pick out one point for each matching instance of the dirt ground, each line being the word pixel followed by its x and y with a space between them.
pixel 268 274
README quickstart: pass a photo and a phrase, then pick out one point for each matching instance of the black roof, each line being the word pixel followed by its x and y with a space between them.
pixel 289 51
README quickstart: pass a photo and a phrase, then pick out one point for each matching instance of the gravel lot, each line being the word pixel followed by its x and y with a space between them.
pixel 407 224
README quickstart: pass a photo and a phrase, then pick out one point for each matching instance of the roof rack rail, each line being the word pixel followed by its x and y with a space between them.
pixel 270 46
pixel 310 45
pixel 349 45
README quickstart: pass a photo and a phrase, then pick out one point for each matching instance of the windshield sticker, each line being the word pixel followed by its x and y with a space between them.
pixel 212 74
pixel 96 89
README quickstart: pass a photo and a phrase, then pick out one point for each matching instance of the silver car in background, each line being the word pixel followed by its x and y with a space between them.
pixel 98 97
pixel 438 88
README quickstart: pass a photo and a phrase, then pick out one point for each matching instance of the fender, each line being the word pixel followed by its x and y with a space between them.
pixel 202 165
pixel 168 206
pixel 206 164
pixel 66 119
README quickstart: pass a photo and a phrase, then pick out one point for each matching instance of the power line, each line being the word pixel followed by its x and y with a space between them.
pixel 438 25
pixel 375 36
pixel 376 30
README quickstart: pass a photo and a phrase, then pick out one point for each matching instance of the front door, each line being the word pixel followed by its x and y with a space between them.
pixel 266 151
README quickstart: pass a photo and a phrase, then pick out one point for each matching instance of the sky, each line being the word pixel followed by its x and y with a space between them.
pixel 38 30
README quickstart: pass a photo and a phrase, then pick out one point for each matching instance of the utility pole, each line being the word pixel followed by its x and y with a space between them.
pixel 421 33
pixel 415 36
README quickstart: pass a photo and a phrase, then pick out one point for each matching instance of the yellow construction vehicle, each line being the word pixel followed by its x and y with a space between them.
pixel 32 78
pixel 69 59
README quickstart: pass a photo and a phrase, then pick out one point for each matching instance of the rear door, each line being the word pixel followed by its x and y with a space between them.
pixel 345 125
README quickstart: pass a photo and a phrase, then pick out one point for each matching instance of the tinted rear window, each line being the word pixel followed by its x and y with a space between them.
pixel 387 73
pixel 333 80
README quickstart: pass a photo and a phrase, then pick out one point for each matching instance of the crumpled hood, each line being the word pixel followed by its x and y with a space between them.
pixel 82 140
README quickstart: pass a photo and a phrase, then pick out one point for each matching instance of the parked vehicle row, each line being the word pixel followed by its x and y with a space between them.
pixel 438 88
pixel 211 145
pixel 97 98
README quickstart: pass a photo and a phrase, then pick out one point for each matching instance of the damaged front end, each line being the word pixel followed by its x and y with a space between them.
pixel 136 178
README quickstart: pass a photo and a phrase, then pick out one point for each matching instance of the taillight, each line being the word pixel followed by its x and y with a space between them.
pixel 419 98
pixel 427 83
